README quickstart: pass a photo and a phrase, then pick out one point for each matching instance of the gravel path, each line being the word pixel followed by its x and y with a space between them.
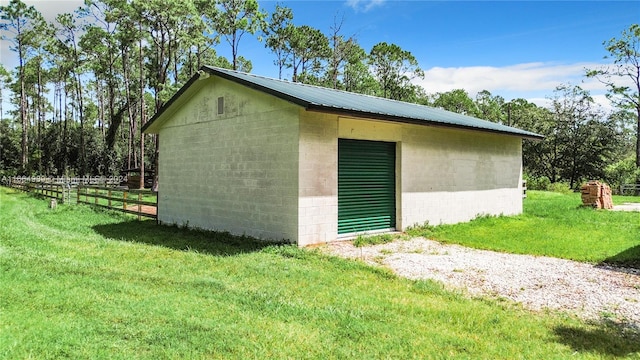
pixel 591 292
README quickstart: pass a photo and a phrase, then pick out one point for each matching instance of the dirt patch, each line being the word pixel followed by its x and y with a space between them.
pixel 144 209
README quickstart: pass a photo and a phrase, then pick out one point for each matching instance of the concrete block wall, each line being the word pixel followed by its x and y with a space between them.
pixel 236 171
pixel 318 178
pixel 442 175
pixel 451 176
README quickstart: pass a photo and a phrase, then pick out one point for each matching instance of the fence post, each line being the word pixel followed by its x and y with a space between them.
pixel 109 195
pixel 139 205
pixel 124 199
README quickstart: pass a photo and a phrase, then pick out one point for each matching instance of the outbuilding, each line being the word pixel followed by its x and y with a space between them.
pixel 287 161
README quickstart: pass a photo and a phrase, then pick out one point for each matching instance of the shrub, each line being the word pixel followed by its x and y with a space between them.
pixel 537 183
pixel 560 187
pixel 622 172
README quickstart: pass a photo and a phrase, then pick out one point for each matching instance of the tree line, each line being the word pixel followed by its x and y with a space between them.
pixel 86 82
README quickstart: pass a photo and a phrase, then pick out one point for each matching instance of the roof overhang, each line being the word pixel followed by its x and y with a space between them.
pixel 197 81
pixel 404 120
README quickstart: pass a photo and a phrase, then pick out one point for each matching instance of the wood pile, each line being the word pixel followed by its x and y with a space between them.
pixel 597 195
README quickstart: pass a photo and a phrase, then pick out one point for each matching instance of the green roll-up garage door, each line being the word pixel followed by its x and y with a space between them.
pixel 366 185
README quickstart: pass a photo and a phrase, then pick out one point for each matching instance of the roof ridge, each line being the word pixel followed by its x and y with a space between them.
pixel 318 98
pixel 324 88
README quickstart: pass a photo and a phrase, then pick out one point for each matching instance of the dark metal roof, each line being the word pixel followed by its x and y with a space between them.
pixel 342 102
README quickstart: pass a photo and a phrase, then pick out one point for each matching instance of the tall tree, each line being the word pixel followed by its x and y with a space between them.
pixel 277 31
pixel 70 49
pixel 9 149
pixel 167 27
pixel 36 77
pixel 521 113
pixel 356 76
pixel 623 77
pixel 343 51
pixel 622 169
pixel 579 139
pixel 23 23
pixel 5 78
pixel 309 46
pixel 457 101
pixel 237 18
pixel 202 50
pixel 489 106
pixel 130 37
pixel 395 68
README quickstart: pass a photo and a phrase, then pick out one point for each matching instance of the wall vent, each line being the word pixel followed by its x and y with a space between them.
pixel 220 105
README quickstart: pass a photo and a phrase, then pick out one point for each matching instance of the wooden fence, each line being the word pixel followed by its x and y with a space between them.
pixel 53 191
pixel 631 189
pixel 59 191
pixel 143 203
pixel 137 202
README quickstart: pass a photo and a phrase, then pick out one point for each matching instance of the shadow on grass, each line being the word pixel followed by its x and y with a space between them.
pixel 606 340
pixel 626 260
pixel 207 242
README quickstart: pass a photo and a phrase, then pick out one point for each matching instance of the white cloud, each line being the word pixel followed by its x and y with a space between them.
pixel 542 102
pixel 602 100
pixel 518 78
pixel 532 81
pixel 364 5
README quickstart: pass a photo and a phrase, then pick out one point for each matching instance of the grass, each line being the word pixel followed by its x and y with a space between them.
pixel 363 240
pixel 619 199
pixel 552 224
pixel 78 283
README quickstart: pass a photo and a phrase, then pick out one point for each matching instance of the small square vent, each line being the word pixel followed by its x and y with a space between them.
pixel 220 105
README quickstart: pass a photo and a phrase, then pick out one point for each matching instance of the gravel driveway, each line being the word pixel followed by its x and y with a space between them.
pixel 589 291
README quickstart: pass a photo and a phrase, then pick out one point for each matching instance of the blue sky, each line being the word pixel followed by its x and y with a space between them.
pixel 511 48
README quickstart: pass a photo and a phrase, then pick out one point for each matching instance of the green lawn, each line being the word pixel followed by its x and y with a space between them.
pixel 552 224
pixel 83 284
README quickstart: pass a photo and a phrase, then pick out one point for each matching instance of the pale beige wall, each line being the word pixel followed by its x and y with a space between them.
pixel 443 175
pixel 235 172
pixel 451 176
pixel 318 184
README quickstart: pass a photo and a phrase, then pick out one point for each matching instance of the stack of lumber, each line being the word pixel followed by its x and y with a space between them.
pixel 597 195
